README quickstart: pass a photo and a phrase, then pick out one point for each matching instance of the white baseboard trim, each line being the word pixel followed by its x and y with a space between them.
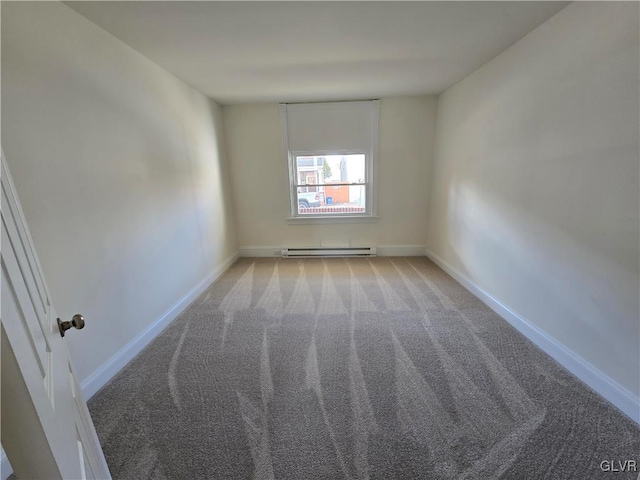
pixel 400 250
pixel 381 251
pixel 611 390
pixel 111 367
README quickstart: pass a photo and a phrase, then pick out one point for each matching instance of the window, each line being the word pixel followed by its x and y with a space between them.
pixel 331 184
pixel 331 149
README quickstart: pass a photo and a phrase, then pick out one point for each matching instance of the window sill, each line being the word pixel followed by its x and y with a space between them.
pixel 332 219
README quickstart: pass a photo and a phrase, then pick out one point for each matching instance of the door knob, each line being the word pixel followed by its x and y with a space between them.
pixel 76 321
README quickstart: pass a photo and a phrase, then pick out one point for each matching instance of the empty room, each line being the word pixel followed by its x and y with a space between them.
pixel 320 240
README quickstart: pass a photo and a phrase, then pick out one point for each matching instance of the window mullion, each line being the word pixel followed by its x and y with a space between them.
pixel 330 185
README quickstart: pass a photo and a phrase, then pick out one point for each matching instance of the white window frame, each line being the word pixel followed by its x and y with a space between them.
pixel 371 157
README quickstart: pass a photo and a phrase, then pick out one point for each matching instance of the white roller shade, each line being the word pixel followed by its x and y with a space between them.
pixel 324 127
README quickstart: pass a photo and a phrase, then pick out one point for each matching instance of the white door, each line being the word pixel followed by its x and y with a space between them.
pixel 46 428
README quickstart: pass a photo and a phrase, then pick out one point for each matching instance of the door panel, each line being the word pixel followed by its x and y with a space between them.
pixel 27 311
pixel 50 432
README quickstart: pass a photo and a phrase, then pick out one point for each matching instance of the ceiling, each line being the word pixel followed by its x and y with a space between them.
pixel 239 52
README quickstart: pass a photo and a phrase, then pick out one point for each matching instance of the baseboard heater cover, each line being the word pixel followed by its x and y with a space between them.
pixel 330 252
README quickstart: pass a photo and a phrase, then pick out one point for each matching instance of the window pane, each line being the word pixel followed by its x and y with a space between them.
pixel 326 184
pixel 330 169
pixel 333 200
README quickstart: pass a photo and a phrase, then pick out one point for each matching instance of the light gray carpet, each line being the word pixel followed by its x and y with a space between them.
pixel 381 368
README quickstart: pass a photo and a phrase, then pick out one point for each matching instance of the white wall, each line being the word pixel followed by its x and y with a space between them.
pixel 121 172
pixel 259 178
pixel 535 191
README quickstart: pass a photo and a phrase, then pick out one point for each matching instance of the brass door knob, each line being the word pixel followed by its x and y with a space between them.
pixel 76 321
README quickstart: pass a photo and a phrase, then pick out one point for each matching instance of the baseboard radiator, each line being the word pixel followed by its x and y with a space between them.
pixel 329 252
